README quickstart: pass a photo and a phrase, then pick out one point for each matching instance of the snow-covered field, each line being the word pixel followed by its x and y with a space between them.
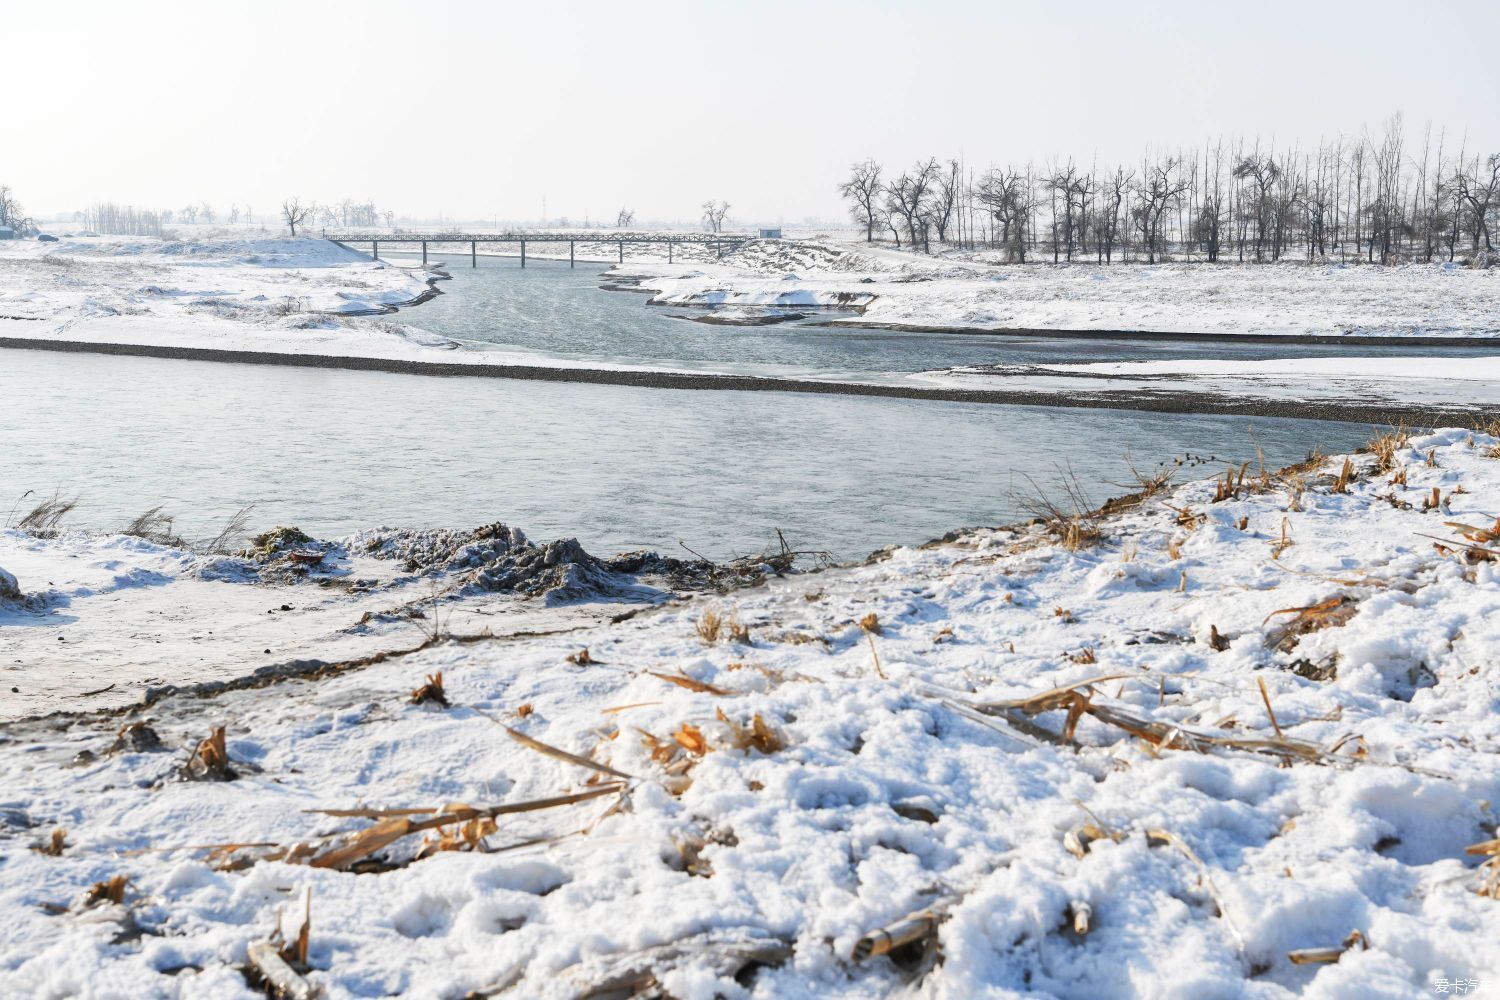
pixel 903 289
pixel 263 294
pixel 1251 718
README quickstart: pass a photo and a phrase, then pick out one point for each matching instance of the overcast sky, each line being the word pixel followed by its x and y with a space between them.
pixel 477 110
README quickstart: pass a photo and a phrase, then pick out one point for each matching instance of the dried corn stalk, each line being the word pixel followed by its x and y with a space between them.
pixel 1331 613
pixel 684 681
pixel 432 691
pixel 210 760
pixel 756 736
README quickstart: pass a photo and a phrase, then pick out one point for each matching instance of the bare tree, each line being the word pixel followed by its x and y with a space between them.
pixel 12 215
pixel 1480 196
pixel 909 197
pixel 1157 191
pixel 294 213
pixel 1109 216
pixel 714 213
pixel 626 218
pixel 946 191
pixel 1010 199
pixel 862 191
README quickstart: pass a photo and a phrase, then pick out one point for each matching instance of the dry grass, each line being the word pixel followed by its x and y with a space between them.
pixel 1148 485
pixel 1387 447
pixel 739 632
pixel 45 519
pixel 710 625
pixel 871 623
pixel 155 527
pixel 582 658
pixel 1066 513
pixel 233 532
pixel 1232 485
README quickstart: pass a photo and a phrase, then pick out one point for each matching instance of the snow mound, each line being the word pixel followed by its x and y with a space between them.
pixel 10 589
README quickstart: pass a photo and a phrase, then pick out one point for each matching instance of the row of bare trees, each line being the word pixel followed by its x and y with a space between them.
pixel 345 214
pixel 1373 198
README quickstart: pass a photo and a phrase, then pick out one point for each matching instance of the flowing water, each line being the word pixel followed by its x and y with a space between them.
pixel 620 468
pixel 550 311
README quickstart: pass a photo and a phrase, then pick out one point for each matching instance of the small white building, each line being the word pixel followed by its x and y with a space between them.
pixel 7 233
pixel 771 234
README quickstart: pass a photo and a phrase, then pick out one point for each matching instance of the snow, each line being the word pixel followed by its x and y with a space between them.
pixel 902 289
pixel 892 792
pixel 1471 382
pixel 295 295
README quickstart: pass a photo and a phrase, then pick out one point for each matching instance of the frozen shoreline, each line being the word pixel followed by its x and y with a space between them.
pixel 907 763
pixel 958 293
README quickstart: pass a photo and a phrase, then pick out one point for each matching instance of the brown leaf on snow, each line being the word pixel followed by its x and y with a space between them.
pixel 691 739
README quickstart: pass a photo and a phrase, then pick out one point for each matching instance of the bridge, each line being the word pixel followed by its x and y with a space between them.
pixel 718 240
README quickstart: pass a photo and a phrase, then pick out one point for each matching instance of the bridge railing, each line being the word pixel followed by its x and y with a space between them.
pixel 515 237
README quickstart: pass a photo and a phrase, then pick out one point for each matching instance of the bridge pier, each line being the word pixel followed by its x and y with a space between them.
pixel 669 251
pixel 375 249
pixel 622 251
pixel 473 254
pixel 523 253
pixel 424 253
pixel 570 253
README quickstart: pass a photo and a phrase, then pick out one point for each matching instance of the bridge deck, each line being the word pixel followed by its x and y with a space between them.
pixel 716 240
pixel 516 237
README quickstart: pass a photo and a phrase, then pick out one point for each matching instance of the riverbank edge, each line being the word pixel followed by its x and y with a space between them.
pixel 1154 402
pixel 614 280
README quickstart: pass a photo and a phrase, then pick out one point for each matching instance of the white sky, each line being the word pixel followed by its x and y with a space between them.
pixel 475 110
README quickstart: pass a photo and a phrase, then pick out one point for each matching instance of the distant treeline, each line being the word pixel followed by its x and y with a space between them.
pixel 127 220
pixel 1372 198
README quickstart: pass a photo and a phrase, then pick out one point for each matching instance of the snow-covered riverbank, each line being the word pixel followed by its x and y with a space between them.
pixel 914 291
pixel 264 294
pixel 1160 752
